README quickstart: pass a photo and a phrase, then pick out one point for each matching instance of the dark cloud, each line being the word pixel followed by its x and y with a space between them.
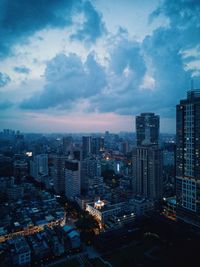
pixel 163 53
pixel 4 79
pixel 68 79
pixel 121 87
pixel 165 48
pixel 20 19
pixel 184 16
pixel 93 27
pixel 126 72
pixel 22 69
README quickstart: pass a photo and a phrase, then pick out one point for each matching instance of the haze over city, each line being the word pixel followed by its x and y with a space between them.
pixel 91 66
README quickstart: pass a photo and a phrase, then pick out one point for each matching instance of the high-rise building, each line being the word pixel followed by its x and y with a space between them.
pixel 86 146
pixel 72 179
pixel 147 172
pixel 97 145
pixel 188 158
pixel 147 158
pixel 39 166
pixel 59 173
pixel 147 129
pixel 90 168
pixel 67 144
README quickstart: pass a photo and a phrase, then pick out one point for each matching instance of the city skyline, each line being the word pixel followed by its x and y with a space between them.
pixel 91 66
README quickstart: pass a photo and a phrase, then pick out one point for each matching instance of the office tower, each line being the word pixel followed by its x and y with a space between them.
pixel 90 168
pixel 147 172
pixel 67 144
pixel 59 173
pixel 20 168
pixel 97 145
pixel 86 146
pixel 76 153
pixel 72 179
pixel 188 158
pixel 147 129
pixel 147 158
pixel 39 166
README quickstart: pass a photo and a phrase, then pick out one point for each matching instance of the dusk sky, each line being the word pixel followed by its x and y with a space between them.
pixel 90 66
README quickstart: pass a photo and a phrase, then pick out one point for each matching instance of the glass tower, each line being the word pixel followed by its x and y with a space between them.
pixel 188 158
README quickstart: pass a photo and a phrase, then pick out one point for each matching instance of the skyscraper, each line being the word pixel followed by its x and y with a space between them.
pixel 67 143
pixel 97 145
pixel 86 146
pixel 90 168
pixel 59 173
pixel 188 158
pixel 147 129
pixel 147 172
pixel 147 158
pixel 39 166
pixel 72 179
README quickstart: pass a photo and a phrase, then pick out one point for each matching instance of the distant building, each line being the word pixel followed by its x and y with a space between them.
pixel 67 143
pixel 90 167
pixel 39 166
pixel 20 168
pixel 15 192
pixel 188 158
pixel 142 206
pixel 73 236
pixel 147 172
pixel 86 146
pixel 147 129
pixel 72 179
pixel 97 145
pixel 104 212
pixel 22 253
pixel 58 173
pixel 147 158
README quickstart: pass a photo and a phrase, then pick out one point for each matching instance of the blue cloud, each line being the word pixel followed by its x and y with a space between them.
pixel 93 27
pixel 184 16
pixel 5 104
pixel 119 88
pixel 4 79
pixel 20 19
pixel 22 69
pixel 67 80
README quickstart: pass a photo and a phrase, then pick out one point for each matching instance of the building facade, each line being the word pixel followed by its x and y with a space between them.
pixel 188 158
pixel 147 158
pixel 72 179
pixel 59 173
pixel 147 129
pixel 147 172
pixel 39 166
pixel 86 146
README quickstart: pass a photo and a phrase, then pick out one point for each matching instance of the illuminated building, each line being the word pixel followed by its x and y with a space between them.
pixel 104 212
pixel 72 179
pixel 188 158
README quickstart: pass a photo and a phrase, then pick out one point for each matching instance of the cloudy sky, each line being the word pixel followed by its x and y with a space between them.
pixel 92 65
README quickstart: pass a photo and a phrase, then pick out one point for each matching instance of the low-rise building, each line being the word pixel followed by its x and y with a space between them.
pixel 142 206
pixel 22 252
pixel 103 211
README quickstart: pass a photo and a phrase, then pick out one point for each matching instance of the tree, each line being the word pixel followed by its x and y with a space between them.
pixel 87 225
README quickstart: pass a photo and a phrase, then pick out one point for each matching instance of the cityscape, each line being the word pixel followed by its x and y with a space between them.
pixel 99 133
